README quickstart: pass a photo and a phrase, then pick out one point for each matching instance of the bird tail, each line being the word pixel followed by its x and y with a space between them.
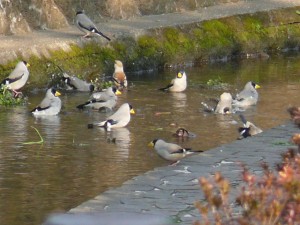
pixel 81 106
pixel 195 151
pixel 100 34
pixel 165 88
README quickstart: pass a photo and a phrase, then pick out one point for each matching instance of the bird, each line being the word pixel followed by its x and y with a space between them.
pixel 119 119
pixel 104 99
pixel 248 96
pixel 178 84
pixel 119 76
pixel 248 129
pixel 223 105
pixel 86 25
pixel 75 83
pixel 17 78
pixel 295 114
pixel 170 151
pixel 183 133
pixel 106 94
pixel 50 105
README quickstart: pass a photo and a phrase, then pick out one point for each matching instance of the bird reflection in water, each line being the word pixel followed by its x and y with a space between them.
pixel 121 138
pixel 179 100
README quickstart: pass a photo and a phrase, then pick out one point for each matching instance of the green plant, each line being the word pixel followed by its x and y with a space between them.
pixel 273 198
pixel 215 82
pixel 41 141
pixel 7 97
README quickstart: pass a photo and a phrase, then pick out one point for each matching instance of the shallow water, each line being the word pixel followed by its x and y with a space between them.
pixel 75 164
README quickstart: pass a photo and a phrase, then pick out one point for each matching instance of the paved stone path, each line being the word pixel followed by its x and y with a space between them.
pixel 172 190
pixel 39 43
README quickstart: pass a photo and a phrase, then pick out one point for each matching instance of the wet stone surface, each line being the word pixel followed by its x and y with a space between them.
pixel 172 190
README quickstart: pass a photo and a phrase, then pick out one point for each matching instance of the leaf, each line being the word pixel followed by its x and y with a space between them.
pixel 41 141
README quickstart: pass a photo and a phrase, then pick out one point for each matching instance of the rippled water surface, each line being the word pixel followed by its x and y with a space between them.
pixel 75 163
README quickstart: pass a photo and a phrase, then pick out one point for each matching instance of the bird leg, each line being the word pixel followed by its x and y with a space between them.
pixel 174 163
pixel 17 93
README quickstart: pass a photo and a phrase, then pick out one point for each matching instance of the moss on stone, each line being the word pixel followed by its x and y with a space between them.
pixel 263 31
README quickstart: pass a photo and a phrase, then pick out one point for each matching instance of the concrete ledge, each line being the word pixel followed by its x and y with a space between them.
pixel 39 43
pixel 172 190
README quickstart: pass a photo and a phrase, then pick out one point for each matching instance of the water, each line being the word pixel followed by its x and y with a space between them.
pixel 75 164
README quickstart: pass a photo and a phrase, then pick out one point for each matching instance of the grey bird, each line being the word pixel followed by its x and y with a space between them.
pixel 86 25
pixel 119 119
pixel 223 105
pixel 248 129
pixel 106 94
pixel 178 84
pixel 248 96
pixel 104 99
pixel 75 83
pixel 170 151
pixel 17 78
pixel 50 105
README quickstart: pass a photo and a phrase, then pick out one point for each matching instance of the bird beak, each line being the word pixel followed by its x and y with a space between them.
pixel 179 75
pixel 132 111
pixel 118 92
pixel 27 64
pixel 257 86
pixel 57 94
pixel 151 144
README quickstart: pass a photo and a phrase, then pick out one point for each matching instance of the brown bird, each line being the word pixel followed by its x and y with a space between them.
pixel 119 77
pixel 295 114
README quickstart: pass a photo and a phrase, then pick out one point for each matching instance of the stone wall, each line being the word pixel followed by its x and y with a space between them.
pixel 22 16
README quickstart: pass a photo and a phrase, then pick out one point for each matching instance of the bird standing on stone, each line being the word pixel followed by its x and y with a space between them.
pixel 86 25
pixel 50 105
pixel 119 76
pixel 119 119
pixel 178 84
pixel 248 129
pixel 248 96
pixel 17 78
pixel 295 114
pixel 77 84
pixel 170 151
